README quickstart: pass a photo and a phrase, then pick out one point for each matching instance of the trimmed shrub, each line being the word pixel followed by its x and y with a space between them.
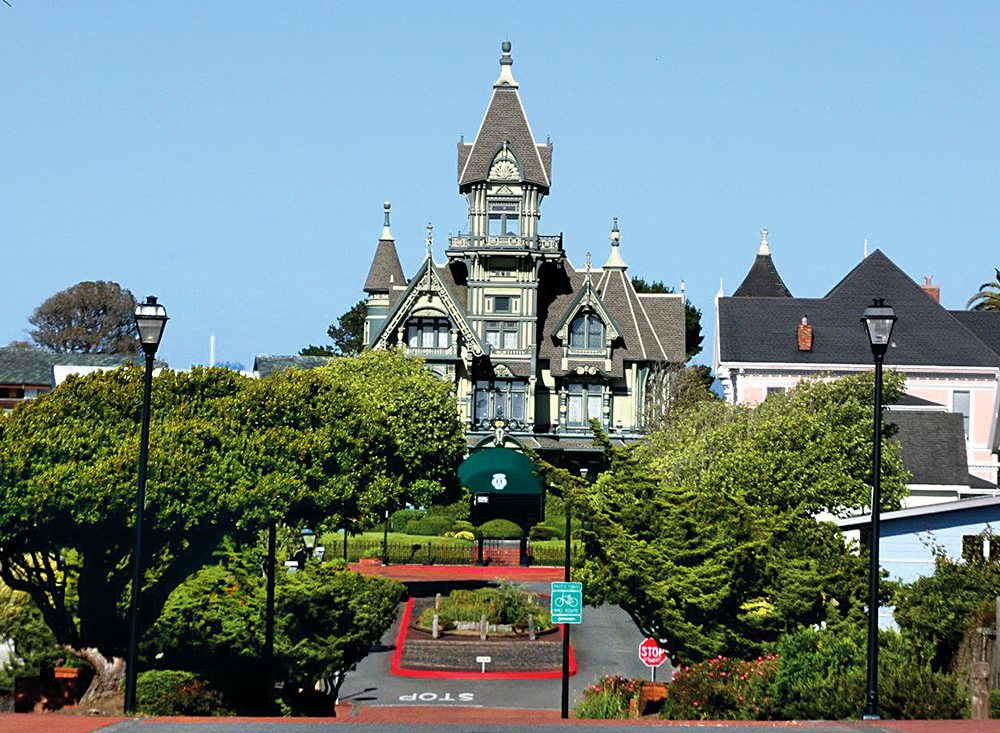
pixel 457 510
pixel 431 526
pixel 173 692
pixel 463 526
pixel 607 699
pixel 402 517
pixel 501 529
pixel 541 532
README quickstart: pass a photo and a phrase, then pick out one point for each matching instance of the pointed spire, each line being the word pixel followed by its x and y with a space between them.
pixel 763 280
pixel 430 241
pixel 506 78
pixel 866 250
pixel 720 294
pixel 763 249
pixel 588 265
pixel 615 261
pixel 386 232
pixel 385 271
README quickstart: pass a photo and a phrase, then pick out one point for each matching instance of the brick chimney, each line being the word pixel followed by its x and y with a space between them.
pixel 805 335
pixel 932 290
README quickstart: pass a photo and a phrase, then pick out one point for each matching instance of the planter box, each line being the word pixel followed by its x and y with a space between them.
pixel 651 697
pixel 371 561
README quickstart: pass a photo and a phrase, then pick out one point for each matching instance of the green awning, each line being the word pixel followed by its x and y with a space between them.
pixel 499 471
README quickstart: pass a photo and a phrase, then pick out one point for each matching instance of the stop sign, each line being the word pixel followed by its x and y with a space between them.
pixel 651 654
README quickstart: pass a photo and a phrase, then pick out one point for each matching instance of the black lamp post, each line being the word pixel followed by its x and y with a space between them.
pixel 150 318
pixel 878 320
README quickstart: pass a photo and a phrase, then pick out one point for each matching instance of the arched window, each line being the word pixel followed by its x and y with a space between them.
pixel 428 333
pixel 586 331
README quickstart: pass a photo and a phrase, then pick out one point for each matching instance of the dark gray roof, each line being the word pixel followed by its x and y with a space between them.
pixel 763 330
pixel 504 121
pixel 763 281
pixel 912 402
pixel 652 326
pixel 385 270
pixel 30 366
pixel 933 445
pixel 985 324
pixel 266 364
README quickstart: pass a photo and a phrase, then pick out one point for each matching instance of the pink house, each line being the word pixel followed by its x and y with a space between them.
pixel 767 340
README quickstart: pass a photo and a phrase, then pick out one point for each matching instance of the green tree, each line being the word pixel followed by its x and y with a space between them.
pixel 705 533
pixel 348 334
pixel 88 318
pixel 808 448
pixel 329 618
pixel 227 454
pixel 988 297
pixel 935 612
pixel 692 316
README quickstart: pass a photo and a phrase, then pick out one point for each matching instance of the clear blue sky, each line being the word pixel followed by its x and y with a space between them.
pixel 232 158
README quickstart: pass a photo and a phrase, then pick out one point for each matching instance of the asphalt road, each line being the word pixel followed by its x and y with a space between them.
pixel 605 643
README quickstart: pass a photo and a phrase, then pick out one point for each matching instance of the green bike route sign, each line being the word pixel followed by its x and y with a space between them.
pixel 567 603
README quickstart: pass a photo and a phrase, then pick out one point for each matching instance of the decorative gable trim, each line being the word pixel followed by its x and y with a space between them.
pixel 587 298
pixel 428 281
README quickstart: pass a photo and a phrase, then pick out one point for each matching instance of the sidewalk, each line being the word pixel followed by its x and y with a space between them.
pixel 57 723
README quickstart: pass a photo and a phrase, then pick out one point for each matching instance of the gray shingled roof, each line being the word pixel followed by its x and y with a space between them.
pixel 385 270
pixel 763 281
pixel 985 324
pixel 29 366
pixel 652 327
pixel 504 121
pixel 267 364
pixel 933 445
pixel 763 330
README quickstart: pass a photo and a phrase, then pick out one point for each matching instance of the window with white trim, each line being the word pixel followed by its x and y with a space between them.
pixel 428 333
pixel 586 332
pixel 961 403
pixel 584 402
pixel 508 397
pixel 504 335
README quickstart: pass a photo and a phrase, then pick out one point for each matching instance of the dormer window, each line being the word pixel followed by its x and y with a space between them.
pixel 428 333
pixel 586 333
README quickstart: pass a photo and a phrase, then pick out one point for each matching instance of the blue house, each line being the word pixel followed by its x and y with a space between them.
pixel 909 536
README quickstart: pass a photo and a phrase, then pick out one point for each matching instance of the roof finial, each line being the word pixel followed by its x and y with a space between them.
pixel 866 250
pixel 386 232
pixel 615 261
pixel 506 78
pixel 763 249
pixel 588 264
pixel 430 240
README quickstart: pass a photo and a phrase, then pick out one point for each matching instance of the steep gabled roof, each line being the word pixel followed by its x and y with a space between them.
pixel 440 281
pixel 651 326
pixel 763 330
pixel 504 121
pixel 268 364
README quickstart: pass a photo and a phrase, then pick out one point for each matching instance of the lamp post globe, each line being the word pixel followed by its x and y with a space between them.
pixel 878 320
pixel 150 319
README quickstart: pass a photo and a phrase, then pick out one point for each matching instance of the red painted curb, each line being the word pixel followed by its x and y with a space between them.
pixel 400 671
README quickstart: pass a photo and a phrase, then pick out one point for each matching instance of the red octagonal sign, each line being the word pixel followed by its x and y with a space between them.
pixel 651 654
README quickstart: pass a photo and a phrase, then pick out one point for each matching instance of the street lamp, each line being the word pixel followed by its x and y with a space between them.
pixel 878 320
pixel 150 318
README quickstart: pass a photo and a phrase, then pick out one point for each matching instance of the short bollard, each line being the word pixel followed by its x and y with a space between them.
pixel 531 628
pixel 482 628
pixel 437 602
pixel 434 629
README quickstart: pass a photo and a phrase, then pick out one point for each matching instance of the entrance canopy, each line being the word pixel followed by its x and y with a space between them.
pixel 499 471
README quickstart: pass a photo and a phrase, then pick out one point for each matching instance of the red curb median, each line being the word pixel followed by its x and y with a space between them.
pixel 400 671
